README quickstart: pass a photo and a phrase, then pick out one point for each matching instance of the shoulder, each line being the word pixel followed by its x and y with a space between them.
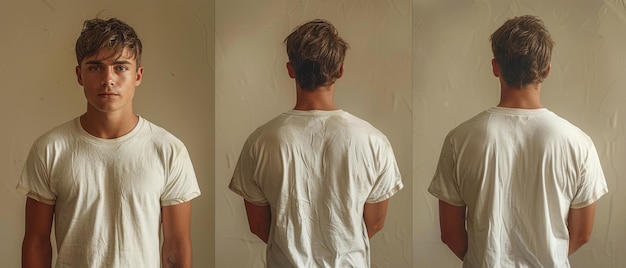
pixel 475 125
pixel 357 129
pixel 59 134
pixel 351 121
pixel 269 128
pixel 159 135
pixel 563 129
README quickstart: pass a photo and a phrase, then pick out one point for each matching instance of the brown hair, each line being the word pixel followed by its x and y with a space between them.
pixel 317 53
pixel 522 46
pixel 113 34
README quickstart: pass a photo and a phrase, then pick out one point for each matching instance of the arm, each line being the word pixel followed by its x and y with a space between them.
pixel 452 225
pixel 579 226
pixel 36 247
pixel 176 250
pixel 259 219
pixel 374 216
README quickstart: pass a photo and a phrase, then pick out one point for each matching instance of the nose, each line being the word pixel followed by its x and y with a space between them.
pixel 109 77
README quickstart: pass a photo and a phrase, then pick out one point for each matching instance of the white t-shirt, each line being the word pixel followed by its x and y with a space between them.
pixel 518 172
pixel 316 170
pixel 108 193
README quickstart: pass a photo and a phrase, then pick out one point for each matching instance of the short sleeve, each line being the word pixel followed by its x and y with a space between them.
pixel 34 181
pixel 389 180
pixel 592 181
pixel 444 184
pixel 181 184
pixel 243 182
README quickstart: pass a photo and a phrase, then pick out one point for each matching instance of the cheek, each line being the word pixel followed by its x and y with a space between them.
pixel 87 80
pixel 129 77
pixel 122 80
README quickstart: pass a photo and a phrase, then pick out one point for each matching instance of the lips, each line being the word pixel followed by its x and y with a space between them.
pixel 108 94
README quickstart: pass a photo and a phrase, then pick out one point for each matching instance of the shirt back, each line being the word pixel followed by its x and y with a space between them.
pixel 316 170
pixel 518 172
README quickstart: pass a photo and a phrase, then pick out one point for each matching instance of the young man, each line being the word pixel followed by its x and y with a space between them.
pixel 524 180
pixel 111 180
pixel 316 180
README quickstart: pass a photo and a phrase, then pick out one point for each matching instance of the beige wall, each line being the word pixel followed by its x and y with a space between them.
pixel 415 70
pixel 452 81
pixel 252 86
pixel 38 90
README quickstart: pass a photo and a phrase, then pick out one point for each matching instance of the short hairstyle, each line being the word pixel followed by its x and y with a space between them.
pixel 113 34
pixel 522 46
pixel 316 53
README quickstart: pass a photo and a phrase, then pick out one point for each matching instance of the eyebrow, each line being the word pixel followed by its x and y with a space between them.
pixel 117 62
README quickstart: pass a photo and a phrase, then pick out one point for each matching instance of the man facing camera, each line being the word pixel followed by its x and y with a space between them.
pixel 110 179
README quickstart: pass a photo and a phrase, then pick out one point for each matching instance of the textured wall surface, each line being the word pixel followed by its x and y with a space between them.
pixel 415 70
pixel 38 90
pixel 252 86
pixel 452 81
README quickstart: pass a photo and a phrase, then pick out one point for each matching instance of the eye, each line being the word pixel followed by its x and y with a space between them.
pixel 121 68
pixel 94 68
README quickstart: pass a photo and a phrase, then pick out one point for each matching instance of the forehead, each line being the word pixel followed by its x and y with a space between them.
pixel 107 55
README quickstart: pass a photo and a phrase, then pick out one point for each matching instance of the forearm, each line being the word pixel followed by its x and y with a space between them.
pixel 574 245
pixel 36 247
pixel 176 249
pixel 176 254
pixel 259 220
pixel 457 243
pixel 579 226
pixel 262 232
pixel 576 241
pixel 374 227
pixel 374 215
pixel 452 224
pixel 36 253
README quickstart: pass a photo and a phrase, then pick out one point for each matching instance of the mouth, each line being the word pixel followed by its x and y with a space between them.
pixel 108 94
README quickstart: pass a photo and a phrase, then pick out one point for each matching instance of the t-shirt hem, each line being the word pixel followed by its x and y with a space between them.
pixel 389 194
pixel 240 193
pixel 444 198
pixel 591 200
pixel 178 201
pixel 24 190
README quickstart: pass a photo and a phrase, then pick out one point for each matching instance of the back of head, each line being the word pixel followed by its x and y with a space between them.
pixel 113 34
pixel 316 53
pixel 522 46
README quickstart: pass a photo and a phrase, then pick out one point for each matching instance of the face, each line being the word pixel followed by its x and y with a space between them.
pixel 108 82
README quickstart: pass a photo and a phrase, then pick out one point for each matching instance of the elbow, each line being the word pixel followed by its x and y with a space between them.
pixel 373 229
pixel 255 229
pixel 450 236
pixel 445 238
pixel 576 242
pixel 451 241
pixel 378 227
pixel 581 239
pixel 261 232
pixel 585 239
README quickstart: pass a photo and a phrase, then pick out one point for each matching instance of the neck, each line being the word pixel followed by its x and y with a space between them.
pixel 108 125
pixel 318 99
pixel 522 98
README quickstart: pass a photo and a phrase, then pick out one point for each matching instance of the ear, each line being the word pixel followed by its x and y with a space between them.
pixel 291 70
pixel 548 70
pixel 495 68
pixel 340 71
pixel 79 77
pixel 139 76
